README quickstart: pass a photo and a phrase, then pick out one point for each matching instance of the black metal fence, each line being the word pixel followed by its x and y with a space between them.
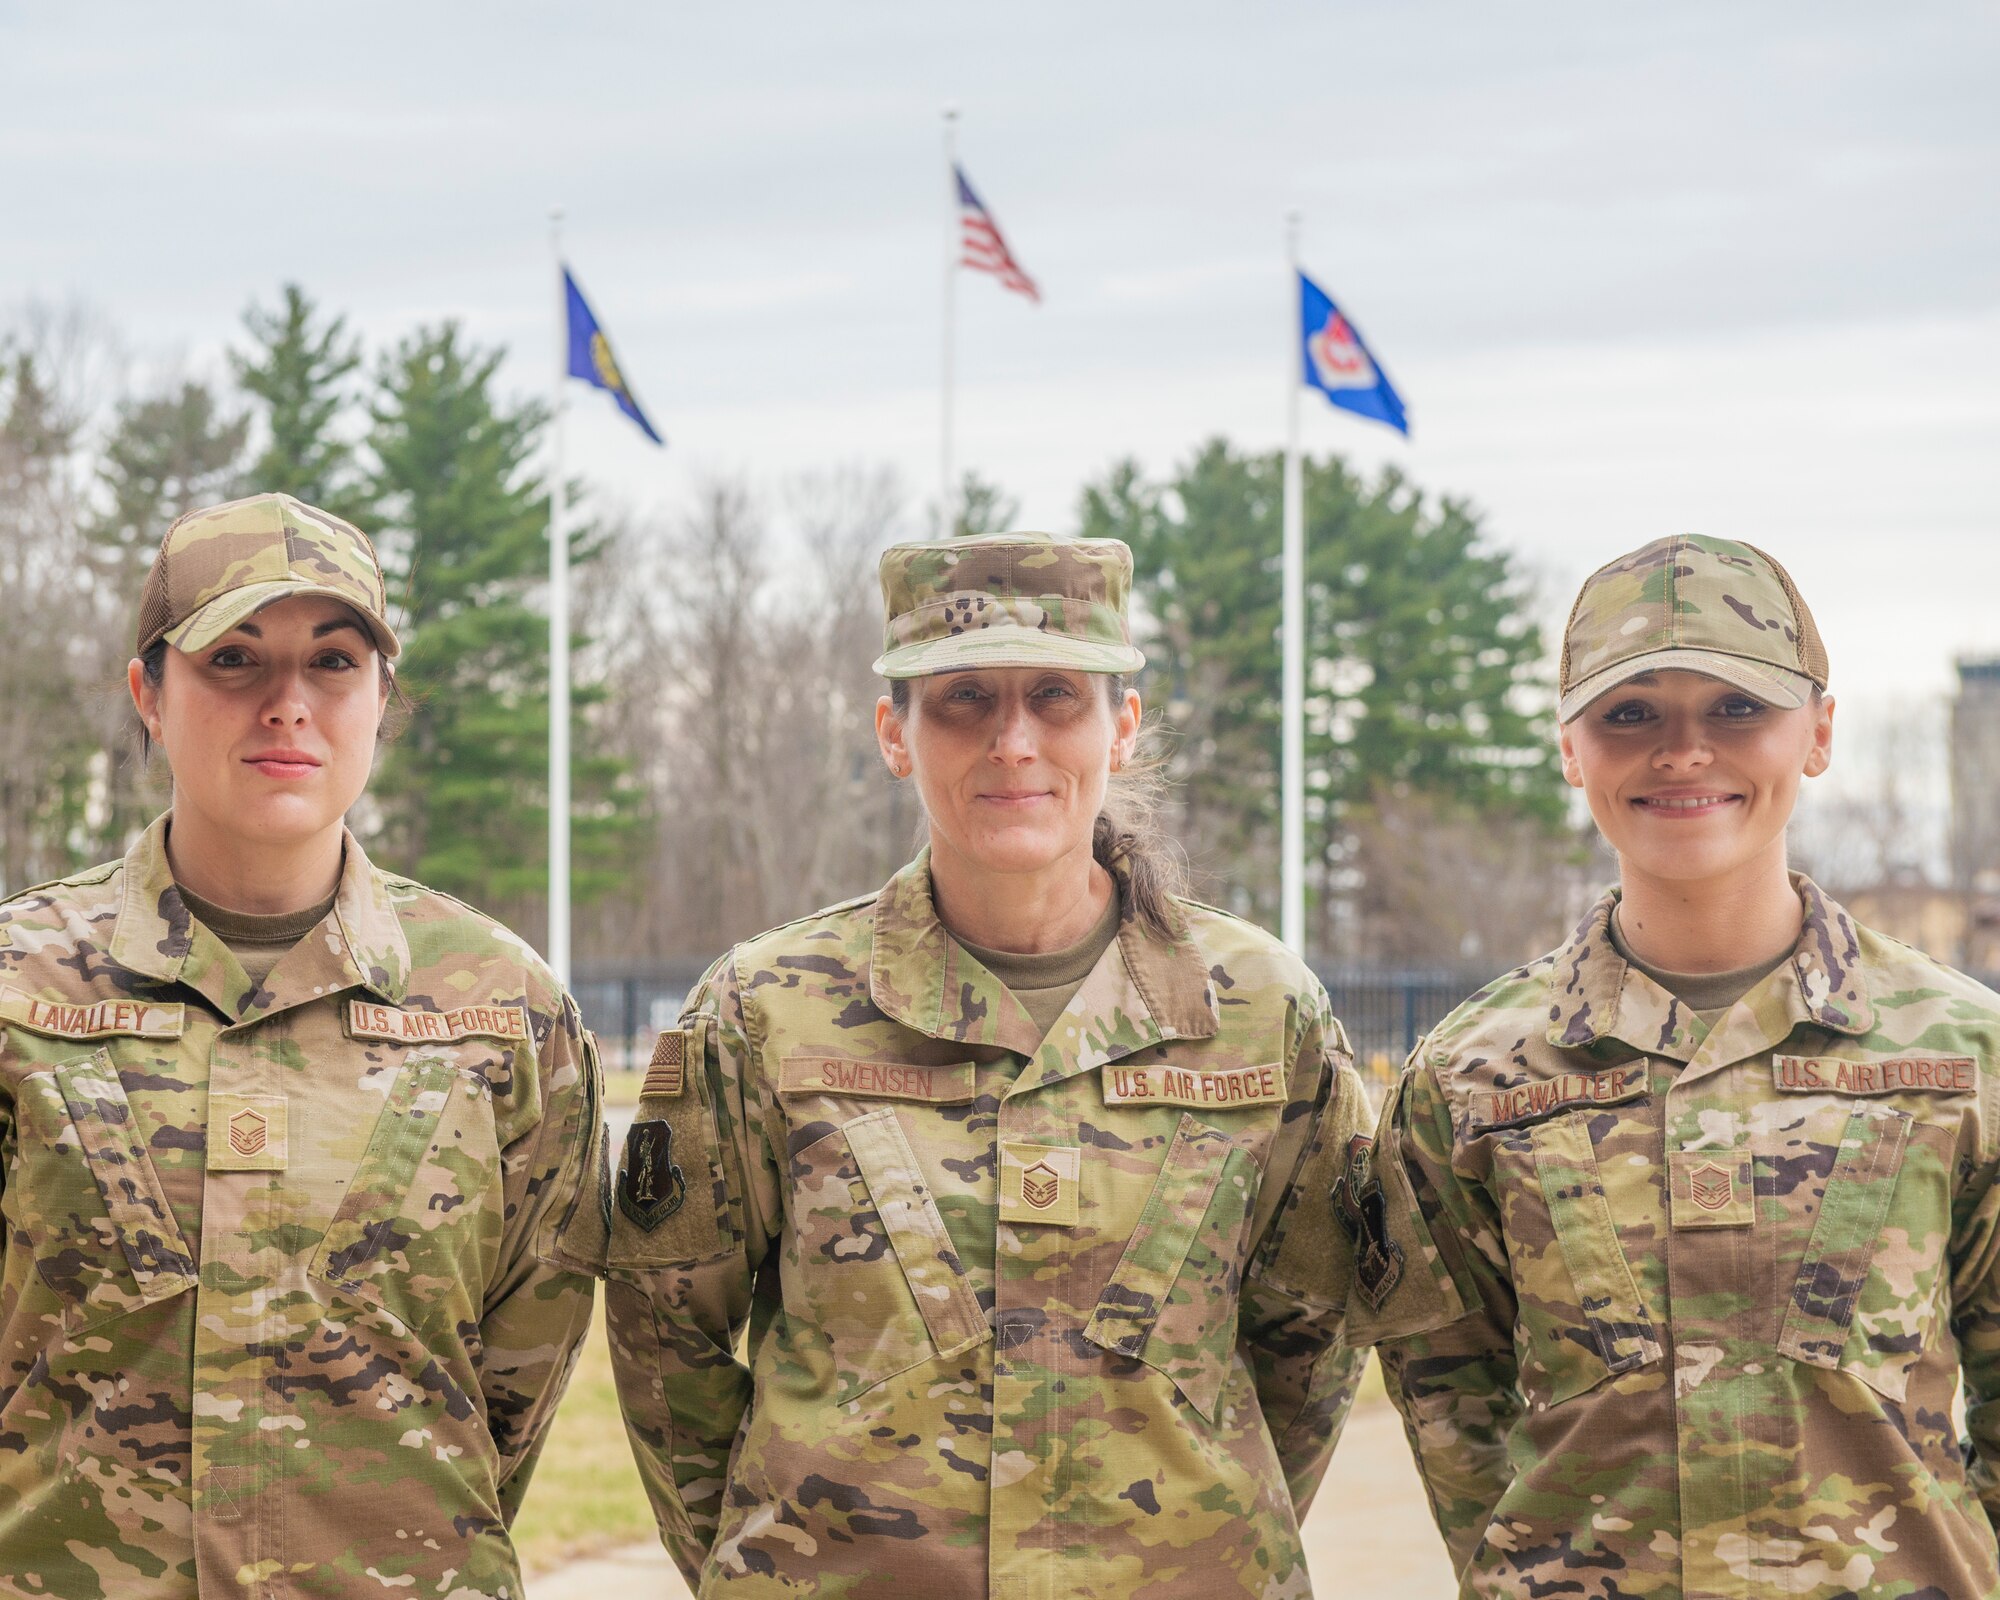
pixel 1385 1012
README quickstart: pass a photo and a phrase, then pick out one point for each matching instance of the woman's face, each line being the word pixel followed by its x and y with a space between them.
pixel 1011 762
pixel 271 730
pixel 1692 780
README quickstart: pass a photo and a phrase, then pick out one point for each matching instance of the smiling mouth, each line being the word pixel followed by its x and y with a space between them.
pixel 1685 805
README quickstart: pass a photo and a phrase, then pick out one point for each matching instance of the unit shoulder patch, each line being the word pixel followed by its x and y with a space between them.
pixel 1364 1215
pixel 651 1186
pixel 1913 1074
pixel 1547 1097
pixel 1224 1089
pixel 366 1019
pixel 94 1019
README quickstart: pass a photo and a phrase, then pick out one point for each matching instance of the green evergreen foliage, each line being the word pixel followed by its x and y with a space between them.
pixel 462 525
pixel 168 453
pixel 1423 668
pixel 300 373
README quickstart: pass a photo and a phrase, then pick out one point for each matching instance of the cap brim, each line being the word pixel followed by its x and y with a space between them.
pixel 1007 647
pixel 229 610
pixel 1775 686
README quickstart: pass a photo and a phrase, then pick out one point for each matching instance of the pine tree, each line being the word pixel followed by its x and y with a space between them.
pixel 463 526
pixel 299 371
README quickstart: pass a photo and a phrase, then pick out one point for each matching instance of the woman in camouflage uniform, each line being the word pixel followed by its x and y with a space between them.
pixel 1018 1172
pixel 1685 1234
pixel 290 1145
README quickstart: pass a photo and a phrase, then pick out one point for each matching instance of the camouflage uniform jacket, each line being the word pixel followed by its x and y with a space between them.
pixel 283 1304
pixel 1683 1313
pixel 1030 1318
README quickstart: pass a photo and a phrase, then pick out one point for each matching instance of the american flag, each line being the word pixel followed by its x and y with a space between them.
pixel 985 249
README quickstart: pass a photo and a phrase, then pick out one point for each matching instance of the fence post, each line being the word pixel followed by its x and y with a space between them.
pixel 631 998
pixel 1409 1016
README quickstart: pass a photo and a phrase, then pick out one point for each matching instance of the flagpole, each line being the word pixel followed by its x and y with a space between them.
pixel 1292 777
pixel 947 494
pixel 558 941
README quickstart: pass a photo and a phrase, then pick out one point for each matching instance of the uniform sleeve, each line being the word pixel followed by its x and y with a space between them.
pixel 1975 1320
pixel 1443 1313
pixel 538 1309
pixel 1296 1285
pixel 696 1206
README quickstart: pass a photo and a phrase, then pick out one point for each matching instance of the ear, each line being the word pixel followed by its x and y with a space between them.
pixel 1572 767
pixel 145 697
pixel 1819 756
pixel 890 738
pixel 1125 740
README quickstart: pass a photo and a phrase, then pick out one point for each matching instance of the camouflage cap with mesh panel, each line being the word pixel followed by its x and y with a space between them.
pixel 1007 600
pixel 1691 604
pixel 218 565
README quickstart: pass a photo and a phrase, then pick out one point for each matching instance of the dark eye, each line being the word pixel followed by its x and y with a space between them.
pixel 334 660
pixel 230 655
pixel 1739 707
pixel 1056 690
pixel 1627 713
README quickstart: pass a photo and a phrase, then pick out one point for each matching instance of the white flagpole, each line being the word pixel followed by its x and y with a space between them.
pixel 1292 777
pixel 558 942
pixel 947 493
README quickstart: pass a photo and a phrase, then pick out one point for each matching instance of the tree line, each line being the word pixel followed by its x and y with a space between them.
pixel 725 773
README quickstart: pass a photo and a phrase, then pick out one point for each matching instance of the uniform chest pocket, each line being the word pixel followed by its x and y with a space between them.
pixel 875 1273
pixel 1579 1305
pixel 84 1192
pixel 1865 1297
pixel 419 1220
pixel 1171 1300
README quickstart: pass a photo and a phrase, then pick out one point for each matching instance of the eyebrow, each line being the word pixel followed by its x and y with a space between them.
pixel 319 632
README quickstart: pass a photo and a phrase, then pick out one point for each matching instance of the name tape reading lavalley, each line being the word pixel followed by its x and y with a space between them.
pixel 99 1019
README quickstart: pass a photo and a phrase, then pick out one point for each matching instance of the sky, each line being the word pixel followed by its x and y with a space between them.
pixel 1636 270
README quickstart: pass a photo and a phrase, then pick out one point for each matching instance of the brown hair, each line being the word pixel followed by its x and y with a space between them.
pixel 1127 831
pixel 395 716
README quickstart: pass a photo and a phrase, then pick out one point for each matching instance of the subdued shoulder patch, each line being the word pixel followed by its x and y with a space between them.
pixel 92 1019
pixel 1546 1097
pixel 666 1074
pixel 948 1084
pixel 367 1019
pixel 1359 1204
pixel 1913 1074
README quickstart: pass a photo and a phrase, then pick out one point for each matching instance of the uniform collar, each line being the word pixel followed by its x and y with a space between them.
pixel 1595 993
pixel 1145 987
pixel 359 945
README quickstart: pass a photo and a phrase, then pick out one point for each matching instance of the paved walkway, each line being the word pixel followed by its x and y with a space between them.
pixel 1370 1533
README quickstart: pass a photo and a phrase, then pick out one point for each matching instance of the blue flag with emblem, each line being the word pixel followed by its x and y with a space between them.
pixel 1337 361
pixel 590 358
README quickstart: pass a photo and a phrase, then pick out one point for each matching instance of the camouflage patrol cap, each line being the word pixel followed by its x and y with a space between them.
pixel 1691 604
pixel 1007 600
pixel 218 565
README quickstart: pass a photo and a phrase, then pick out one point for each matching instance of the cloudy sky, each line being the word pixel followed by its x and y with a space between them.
pixel 1707 267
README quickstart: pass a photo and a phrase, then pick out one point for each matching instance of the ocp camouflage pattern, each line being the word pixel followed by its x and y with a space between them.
pixel 1687 1309
pixel 945 1396
pixel 285 1307
pixel 1690 592
pixel 1009 599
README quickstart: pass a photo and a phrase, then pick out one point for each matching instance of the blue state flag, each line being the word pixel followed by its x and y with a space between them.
pixel 1337 361
pixel 590 358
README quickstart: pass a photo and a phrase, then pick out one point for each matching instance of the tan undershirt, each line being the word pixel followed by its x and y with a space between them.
pixel 1046 981
pixel 1709 995
pixel 259 943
